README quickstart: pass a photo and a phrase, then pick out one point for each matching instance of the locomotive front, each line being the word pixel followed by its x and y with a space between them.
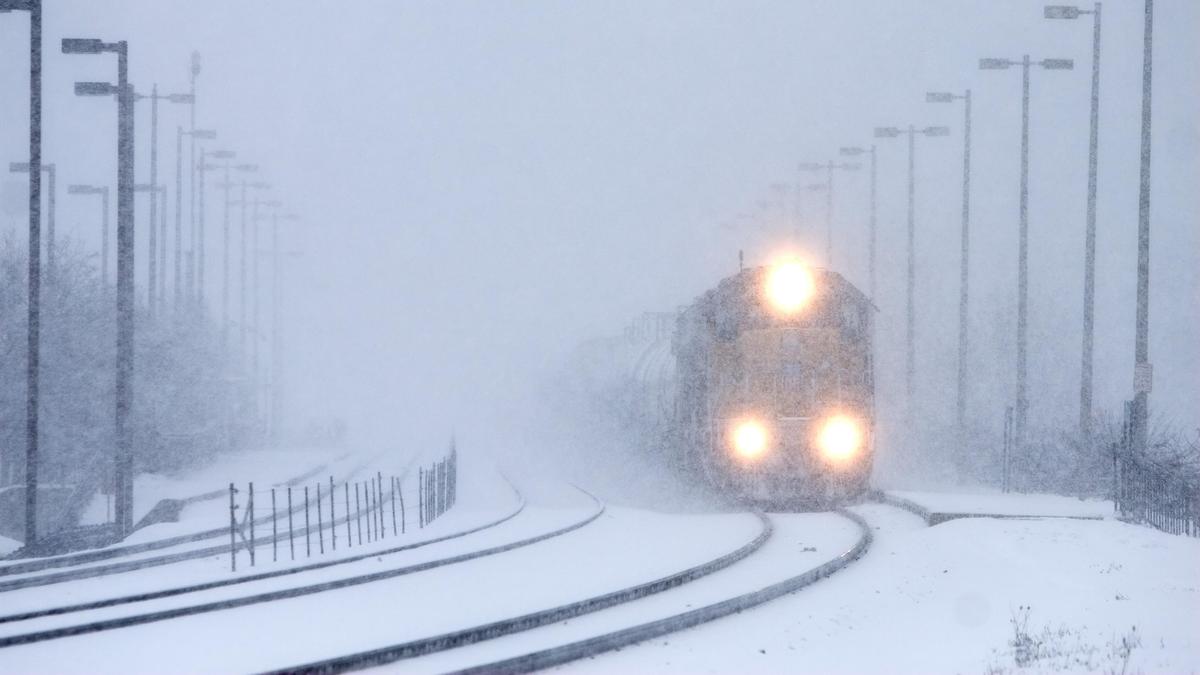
pixel 776 384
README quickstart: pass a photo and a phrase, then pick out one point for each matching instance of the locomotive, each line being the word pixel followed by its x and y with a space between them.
pixel 774 385
pixel 763 387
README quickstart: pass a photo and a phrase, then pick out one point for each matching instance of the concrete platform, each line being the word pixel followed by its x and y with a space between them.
pixel 938 507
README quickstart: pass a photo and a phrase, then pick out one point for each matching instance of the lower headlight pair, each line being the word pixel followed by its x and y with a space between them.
pixel 839 438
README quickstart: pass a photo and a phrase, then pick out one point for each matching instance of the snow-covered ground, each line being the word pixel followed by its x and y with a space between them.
pixel 953 598
pixel 1011 504
pixel 1078 595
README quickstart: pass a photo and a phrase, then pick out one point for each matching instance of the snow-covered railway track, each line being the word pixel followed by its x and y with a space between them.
pixel 529 621
pixel 287 593
pixel 20 567
pixel 261 576
pixel 565 653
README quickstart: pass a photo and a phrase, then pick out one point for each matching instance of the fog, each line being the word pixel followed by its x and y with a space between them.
pixel 483 186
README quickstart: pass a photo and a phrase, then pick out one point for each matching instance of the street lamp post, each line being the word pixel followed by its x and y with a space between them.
pixel 203 134
pixel 157 259
pixel 101 190
pixel 125 261
pixel 829 167
pixel 1022 407
pixel 227 156
pixel 274 388
pixel 23 167
pixel 155 191
pixel 1142 380
pixel 964 255
pixel 854 152
pixel 910 322
pixel 33 324
pixel 1089 245
pixel 194 72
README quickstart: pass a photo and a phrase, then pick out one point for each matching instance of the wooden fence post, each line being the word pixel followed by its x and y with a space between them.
pixel 291 539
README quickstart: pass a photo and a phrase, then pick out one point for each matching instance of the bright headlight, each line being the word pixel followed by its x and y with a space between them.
pixel 840 438
pixel 749 439
pixel 790 286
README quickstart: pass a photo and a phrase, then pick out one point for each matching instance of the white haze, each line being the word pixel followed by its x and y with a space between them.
pixel 485 184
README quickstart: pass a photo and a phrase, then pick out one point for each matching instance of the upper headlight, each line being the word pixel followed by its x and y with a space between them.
pixel 789 287
pixel 840 438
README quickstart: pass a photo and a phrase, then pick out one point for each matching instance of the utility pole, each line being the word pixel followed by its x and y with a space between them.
pixel 1089 247
pixel 1142 371
pixel 911 284
pixel 125 262
pixel 964 256
pixel 854 152
pixel 33 325
pixel 1022 406
pixel 157 263
pixel 191 259
pixel 829 167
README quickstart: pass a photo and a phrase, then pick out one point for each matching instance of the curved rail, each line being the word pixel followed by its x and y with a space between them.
pixel 488 631
pixel 299 591
pixel 209 585
pixel 143 563
pixel 615 640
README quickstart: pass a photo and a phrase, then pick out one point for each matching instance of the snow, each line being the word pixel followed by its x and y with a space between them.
pixel 942 599
pixel 1010 504
pixel 8 545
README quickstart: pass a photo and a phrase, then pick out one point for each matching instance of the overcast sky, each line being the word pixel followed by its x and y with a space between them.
pixel 485 184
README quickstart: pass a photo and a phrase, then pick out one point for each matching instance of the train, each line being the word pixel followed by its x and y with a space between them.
pixel 762 387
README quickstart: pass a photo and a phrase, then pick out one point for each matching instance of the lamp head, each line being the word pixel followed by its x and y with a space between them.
pixel 82 46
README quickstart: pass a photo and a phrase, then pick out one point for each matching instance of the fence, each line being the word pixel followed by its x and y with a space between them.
pixel 1148 493
pixel 327 508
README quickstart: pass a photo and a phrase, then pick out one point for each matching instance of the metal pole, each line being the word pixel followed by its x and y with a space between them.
pixel 964 267
pixel 50 212
pixel 125 293
pixel 1023 262
pixel 274 379
pixel 152 260
pixel 225 264
pixel 242 277
pixel 104 234
pixel 35 272
pixel 829 217
pixel 871 245
pixel 1141 412
pixel 332 514
pixel 162 252
pixel 200 234
pixel 178 215
pixel 1089 256
pixel 910 324
pixel 191 261
pixel 254 336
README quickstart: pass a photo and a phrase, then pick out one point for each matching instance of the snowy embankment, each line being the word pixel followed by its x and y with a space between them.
pixel 955 597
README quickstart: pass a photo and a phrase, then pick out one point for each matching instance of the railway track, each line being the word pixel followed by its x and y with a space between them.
pixel 124 550
pixel 79 571
pixel 544 658
pixel 271 596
